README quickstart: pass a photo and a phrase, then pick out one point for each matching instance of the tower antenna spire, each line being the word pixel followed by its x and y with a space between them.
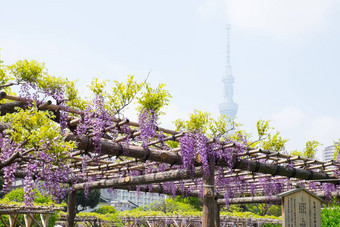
pixel 228 107
pixel 228 44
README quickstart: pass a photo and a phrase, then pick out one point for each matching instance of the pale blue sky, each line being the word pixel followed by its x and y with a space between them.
pixel 284 54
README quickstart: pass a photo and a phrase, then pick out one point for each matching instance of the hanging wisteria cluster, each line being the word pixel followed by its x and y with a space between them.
pixel 8 149
pixel 147 125
pixel 94 122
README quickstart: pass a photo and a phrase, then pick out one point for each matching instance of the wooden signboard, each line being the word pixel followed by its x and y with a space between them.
pixel 300 208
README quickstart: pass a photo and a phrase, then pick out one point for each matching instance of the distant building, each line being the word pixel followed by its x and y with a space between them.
pixel 328 153
pixel 228 107
pixel 128 200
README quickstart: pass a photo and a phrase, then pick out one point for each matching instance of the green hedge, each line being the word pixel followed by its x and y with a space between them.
pixel 330 216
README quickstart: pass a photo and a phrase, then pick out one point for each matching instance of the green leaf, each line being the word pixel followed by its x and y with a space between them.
pixel 310 149
pixel 154 99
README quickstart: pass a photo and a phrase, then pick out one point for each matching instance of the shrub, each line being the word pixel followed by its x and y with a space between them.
pixel 330 216
pixel 106 209
pixel 17 195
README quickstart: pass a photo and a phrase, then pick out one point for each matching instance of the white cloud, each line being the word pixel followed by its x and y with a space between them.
pixel 325 130
pixel 210 8
pixel 296 125
pixel 282 18
pixel 173 112
pixel 288 118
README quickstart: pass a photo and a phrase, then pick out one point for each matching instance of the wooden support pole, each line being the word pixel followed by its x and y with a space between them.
pixel 11 221
pixel 34 220
pixel 255 199
pixel 266 199
pixel 71 209
pixel 44 220
pixel 175 223
pixel 285 171
pixel 143 179
pixel 217 218
pixel 28 220
pixel 209 202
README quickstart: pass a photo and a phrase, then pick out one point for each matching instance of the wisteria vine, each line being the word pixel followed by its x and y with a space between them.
pixel 195 149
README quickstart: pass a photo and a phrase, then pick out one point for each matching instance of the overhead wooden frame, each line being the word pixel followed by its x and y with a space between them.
pixel 248 167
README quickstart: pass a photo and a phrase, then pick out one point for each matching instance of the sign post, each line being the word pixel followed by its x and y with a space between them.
pixel 301 208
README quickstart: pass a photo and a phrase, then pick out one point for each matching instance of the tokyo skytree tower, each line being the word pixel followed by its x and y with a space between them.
pixel 228 107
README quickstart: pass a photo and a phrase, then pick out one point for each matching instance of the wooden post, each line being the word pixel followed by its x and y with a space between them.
pixel 33 219
pixel 209 202
pixel 44 220
pixel 217 218
pixel 28 220
pixel 71 209
pixel 11 221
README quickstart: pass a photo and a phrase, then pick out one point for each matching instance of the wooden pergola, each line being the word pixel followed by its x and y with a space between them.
pixel 36 215
pixel 118 161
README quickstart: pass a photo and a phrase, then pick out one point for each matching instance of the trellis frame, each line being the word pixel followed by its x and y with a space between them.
pixel 249 165
pixel 43 212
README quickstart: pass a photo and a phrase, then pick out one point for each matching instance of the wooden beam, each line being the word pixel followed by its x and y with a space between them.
pixel 267 199
pixel 111 148
pixel 8 108
pixel 157 155
pixel 285 171
pixel 141 180
pixel 256 199
pixel 9 160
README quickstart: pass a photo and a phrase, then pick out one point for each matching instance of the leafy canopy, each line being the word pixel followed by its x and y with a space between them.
pixel 227 129
pixel 203 122
pixel 154 99
pixel 309 151
pixel 311 148
pixel 36 74
pixel 35 128
pixel 26 71
pixel 123 94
